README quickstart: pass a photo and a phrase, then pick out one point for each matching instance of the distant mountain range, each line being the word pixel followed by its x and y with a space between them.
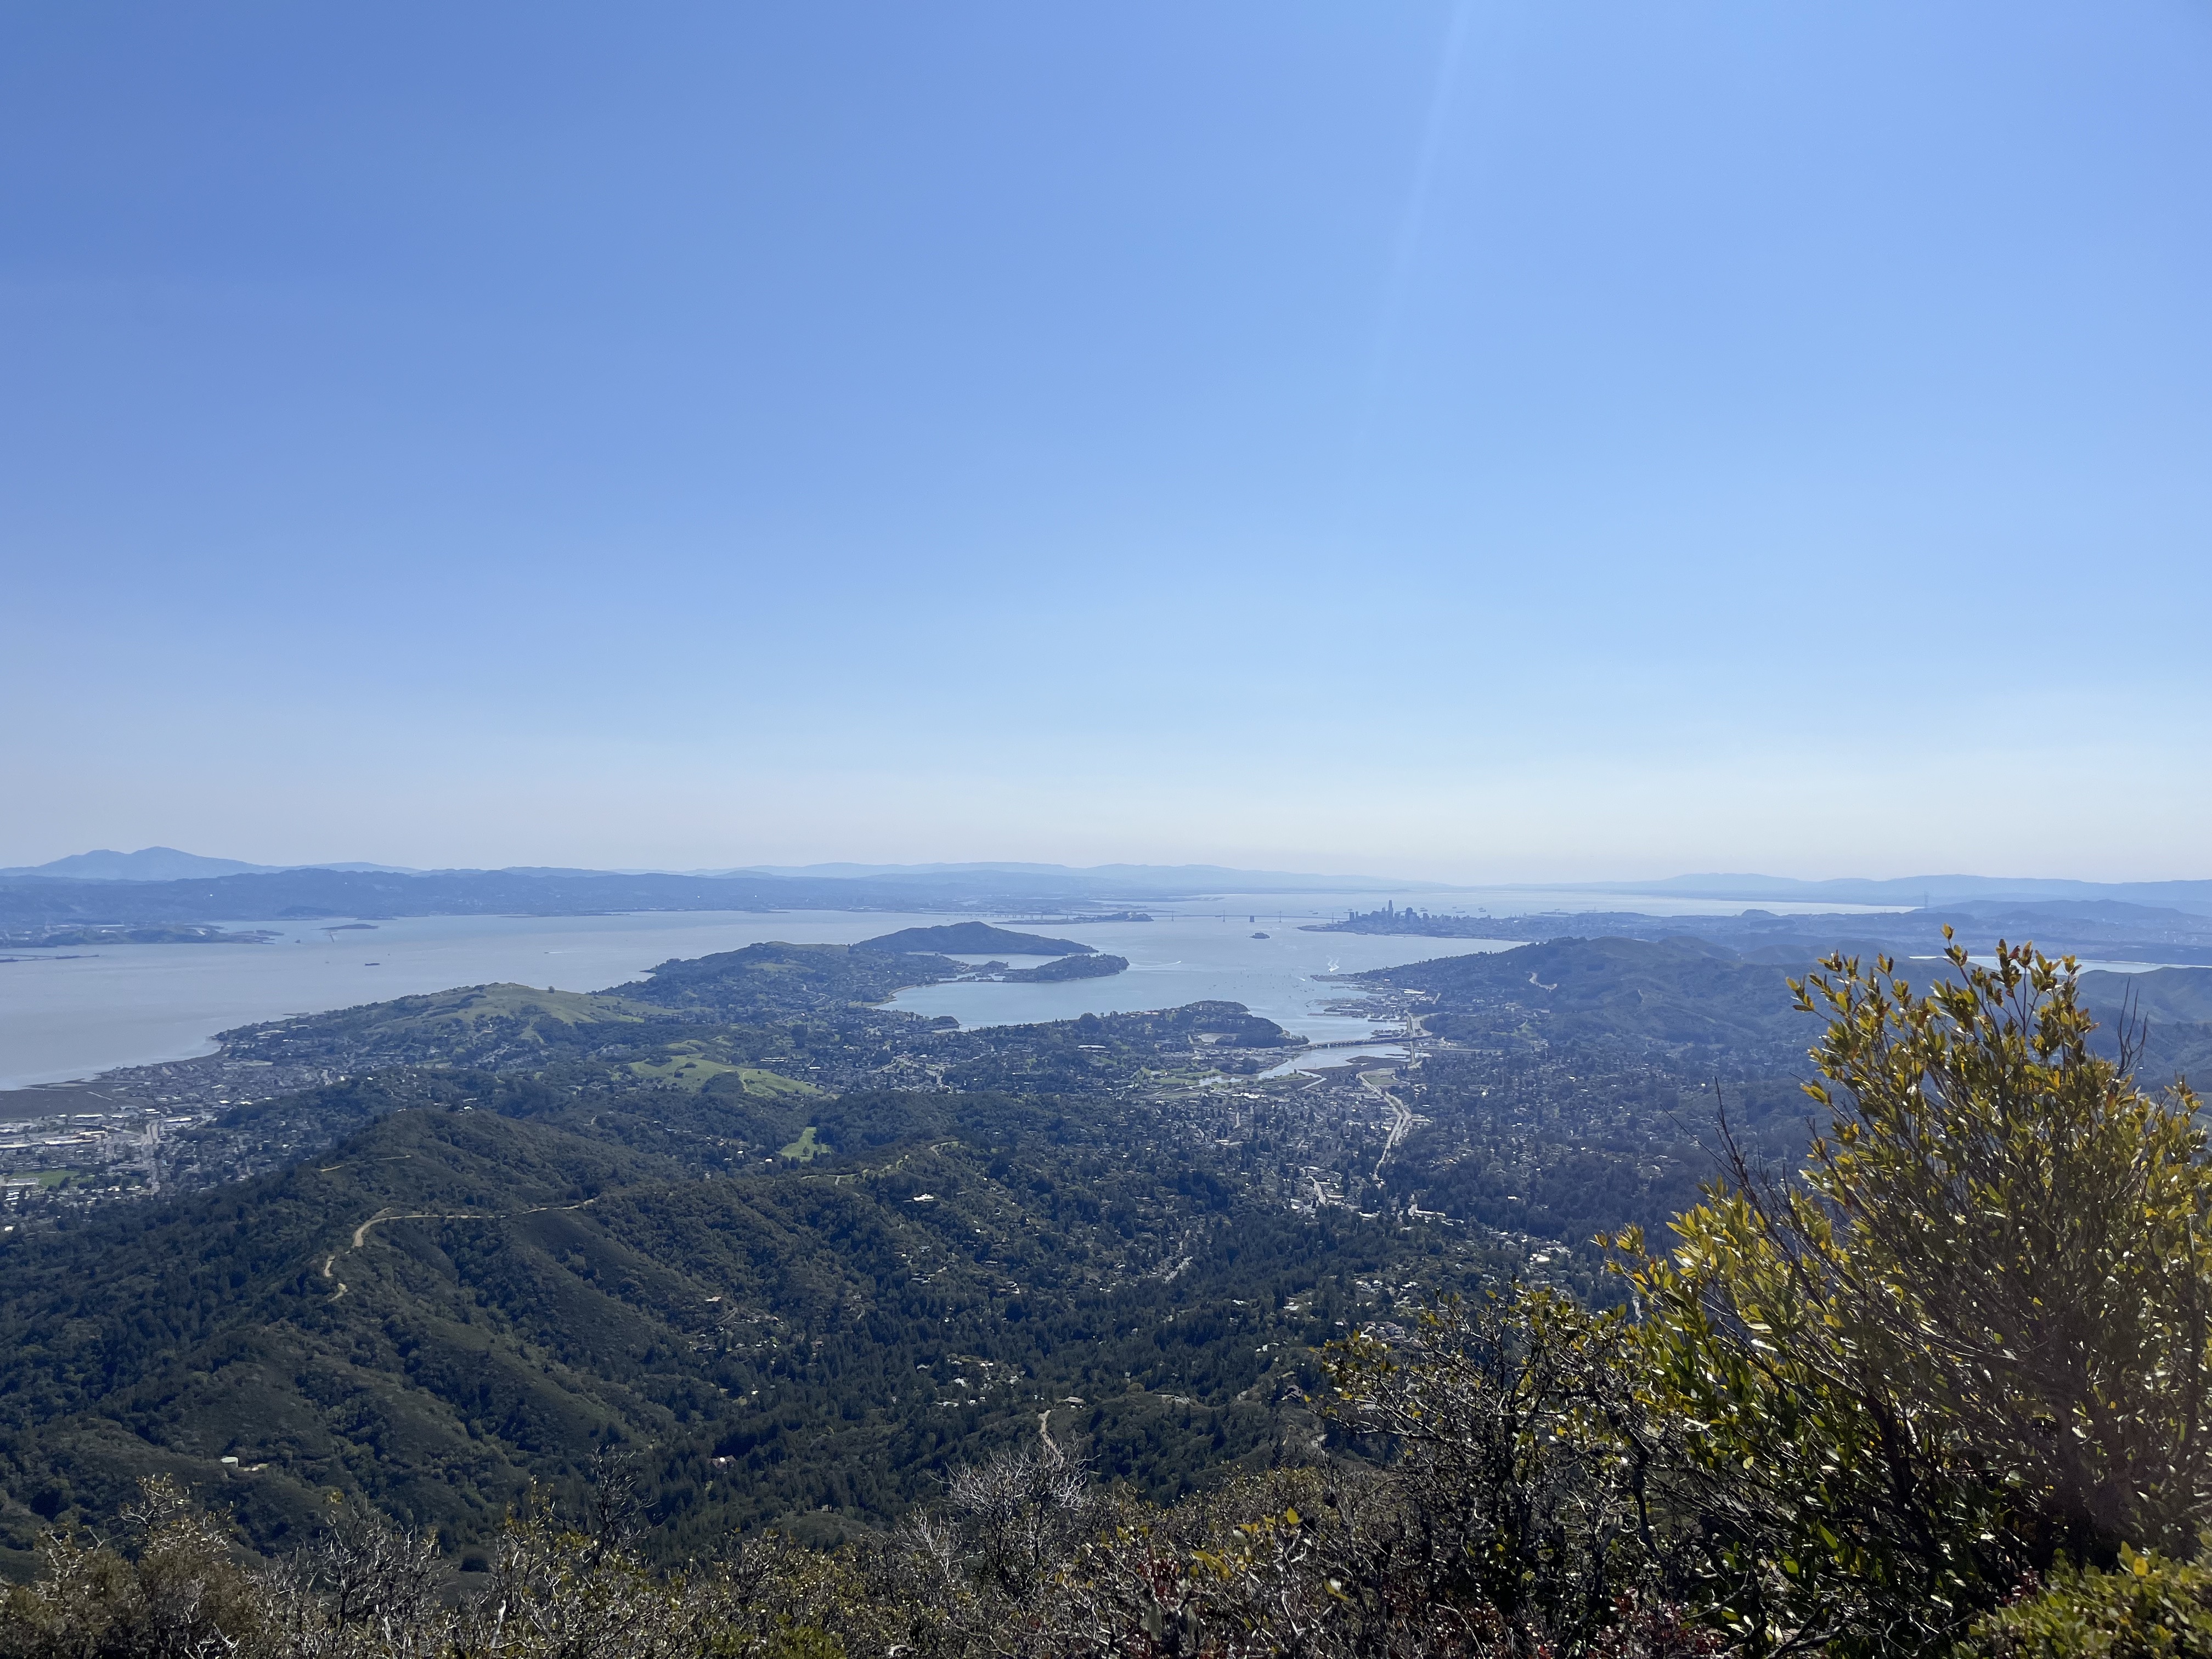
pixel 168 864
pixel 162 864
pixel 37 906
pixel 1917 891
pixel 983 885
pixel 2093 930
pixel 1153 878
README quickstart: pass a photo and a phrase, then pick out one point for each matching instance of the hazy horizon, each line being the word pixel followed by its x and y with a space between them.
pixel 1464 442
pixel 1315 877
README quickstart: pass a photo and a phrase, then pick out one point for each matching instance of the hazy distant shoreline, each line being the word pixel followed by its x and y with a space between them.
pixel 77 1018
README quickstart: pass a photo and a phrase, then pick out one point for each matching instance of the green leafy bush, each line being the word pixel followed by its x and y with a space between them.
pixel 2153 1608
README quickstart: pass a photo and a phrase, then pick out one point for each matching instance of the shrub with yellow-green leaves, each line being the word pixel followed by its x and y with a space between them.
pixel 2151 1607
pixel 1970 1337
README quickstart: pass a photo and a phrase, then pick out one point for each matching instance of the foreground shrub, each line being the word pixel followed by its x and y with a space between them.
pixel 170 1588
pixel 2151 1608
pixel 1970 1340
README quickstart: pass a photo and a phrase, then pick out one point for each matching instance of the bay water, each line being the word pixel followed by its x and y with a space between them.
pixel 74 1013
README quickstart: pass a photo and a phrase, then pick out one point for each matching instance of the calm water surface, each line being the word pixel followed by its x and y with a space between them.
pixel 1179 958
pixel 1203 949
pixel 78 1013
pixel 74 1014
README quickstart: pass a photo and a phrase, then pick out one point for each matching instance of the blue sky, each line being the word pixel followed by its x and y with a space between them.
pixel 1488 441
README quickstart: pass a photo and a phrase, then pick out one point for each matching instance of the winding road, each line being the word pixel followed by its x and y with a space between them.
pixel 1402 1120
pixel 361 1233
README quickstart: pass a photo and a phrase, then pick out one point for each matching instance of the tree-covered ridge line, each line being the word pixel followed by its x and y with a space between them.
pixel 513 1292
pixel 1692 1006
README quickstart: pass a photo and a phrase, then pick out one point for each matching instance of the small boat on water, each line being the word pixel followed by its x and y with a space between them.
pixel 1258 936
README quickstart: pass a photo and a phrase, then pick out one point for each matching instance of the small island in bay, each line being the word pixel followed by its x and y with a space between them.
pixel 973 938
pixel 1095 965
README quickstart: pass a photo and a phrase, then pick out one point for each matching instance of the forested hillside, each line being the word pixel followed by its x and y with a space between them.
pixel 1108 1325
pixel 493 1279
pixel 1091 1373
